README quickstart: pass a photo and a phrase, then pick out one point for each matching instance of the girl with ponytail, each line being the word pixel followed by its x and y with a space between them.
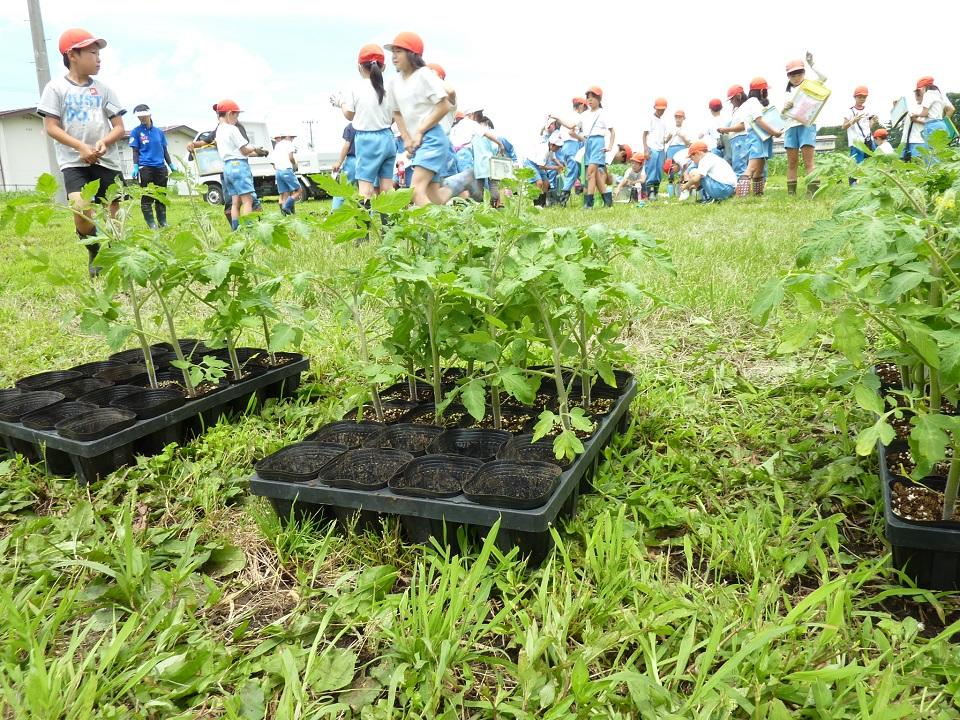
pixel 366 107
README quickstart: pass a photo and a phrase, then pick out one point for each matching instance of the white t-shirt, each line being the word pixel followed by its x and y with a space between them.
pixel 933 103
pixel 415 97
pixel 369 113
pixel 84 112
pixel 657 133
pixel 594 122
pixel 915 128
pixel 229 142
pixel 748 112
pixel 280 155
pixel 714 166
pixel 679 135
pixel 464 132
pixel 860 130
pixel 885 148
pixel 789 122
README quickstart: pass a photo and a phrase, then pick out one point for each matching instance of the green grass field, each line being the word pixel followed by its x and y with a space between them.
pixel 730 563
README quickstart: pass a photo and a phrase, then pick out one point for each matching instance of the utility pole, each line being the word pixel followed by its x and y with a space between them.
pixel 310 123
pixel 43 77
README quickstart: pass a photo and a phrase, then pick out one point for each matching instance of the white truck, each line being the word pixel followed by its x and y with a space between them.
pixel 207 168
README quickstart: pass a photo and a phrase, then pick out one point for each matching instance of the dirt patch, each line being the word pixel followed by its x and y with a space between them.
pixel 918 503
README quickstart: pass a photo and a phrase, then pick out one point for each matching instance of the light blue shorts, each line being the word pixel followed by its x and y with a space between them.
pixel 654 167
pixel 759 149
pixel 464 158
pixel 376 155
pixel 800 136
pixel 673 150
pixel 740 150
pixel 287 181
pixel 538 173
pixel 710 189
pixel 593 154
pixel 237 178
pixel 433 150
pixel 930 127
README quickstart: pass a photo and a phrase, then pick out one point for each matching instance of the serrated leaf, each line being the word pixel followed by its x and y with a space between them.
pixel 567 445
pixel 849 335
pixel 516 383
pixel 798 336
pixel 333 670
pixel 225 561
pixel 474 398
pixel 282 336
pixel 899 284
pixel 544 425
pixel 391 203
pixel 769 297
pixel 922 342
pixel 868 399
pixel 47 185
pixel 333 188
pixel 868 437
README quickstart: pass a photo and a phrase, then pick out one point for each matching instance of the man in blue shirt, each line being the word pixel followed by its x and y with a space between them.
pixel 150 161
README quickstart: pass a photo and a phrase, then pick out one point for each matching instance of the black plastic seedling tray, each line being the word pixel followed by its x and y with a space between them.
pixel 423 518
pixel 94 458
pixel 928 552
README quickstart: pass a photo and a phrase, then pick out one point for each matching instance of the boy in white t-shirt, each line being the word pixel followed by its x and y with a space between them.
pixel 634 178
pixel 234 151
pixel 882 144
pixel 84 119
pixel 712 176
pixel 859 122
pixel 285 167
pixel 654 147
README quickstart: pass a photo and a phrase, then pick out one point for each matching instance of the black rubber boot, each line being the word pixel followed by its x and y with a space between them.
pixel 791 187
pixel 608 198
pixel 161 215
pixel 812 188
pixel 92 250
pixel 588 201
pixel 564 199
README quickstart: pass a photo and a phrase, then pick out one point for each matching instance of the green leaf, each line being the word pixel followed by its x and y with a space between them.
pixel 253 704
pixel 900 284
pixel 930 436
pixel 217 271
pixel 333 670
pixel 516 383
pixel 868 399
pixel 545 425
pixel 580 421
pixel 567 445
pixel 282 336
pixel 868 437
pixel 225 561
pixel 769 297
pixel 919 336
pixel 849 335
pixel 949 351
pixel 572 278
pixel 333 188
pixel 474 398
pixel 391 203
pixel 47 185
pixel 798 336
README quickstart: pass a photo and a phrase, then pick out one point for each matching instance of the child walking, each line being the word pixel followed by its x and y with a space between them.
pixel 572 143
pixel 799 139
pixel 347 160
pixel 234 151
pixel 418 100
pixel 367 109
pixel 760 150
pixel 285 169
pixel 84 117
pixel 654 144
pixel 934 106
pixel 599 138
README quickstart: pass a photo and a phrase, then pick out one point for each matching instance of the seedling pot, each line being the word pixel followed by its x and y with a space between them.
pixel 480 444
pixel 364 468
pixel 394 411
pixel 434 476
pixel 96 424
pixel 150 403
pixel 349 433
pixel 299 462
pixel 106 395
pixel 453 416
pixel 16 407
pixel 121 374
pixel 73 389
pixel 522 448
pixel 92 368
pixel 47 418
pixel 401 391
pixel 512 484
pixel 414 439
pixel 44 380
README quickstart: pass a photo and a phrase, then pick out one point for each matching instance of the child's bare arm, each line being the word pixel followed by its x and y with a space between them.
pixel 54 129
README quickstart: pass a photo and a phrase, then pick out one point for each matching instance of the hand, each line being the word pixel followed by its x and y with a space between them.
pixel 101 148
pixel 336 167
pixel 787 105
pixel 606 149
pixel 88 154
pixel 809 58
pixel 136 172
pixel 336 99
pixel 413 142
pixel 778 133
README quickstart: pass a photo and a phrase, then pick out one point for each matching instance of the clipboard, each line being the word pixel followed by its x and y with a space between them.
pixel 772 117
pixel 898 112
pixel 808 100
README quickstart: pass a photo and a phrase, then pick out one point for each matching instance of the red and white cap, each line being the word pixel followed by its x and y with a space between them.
pixel 78 38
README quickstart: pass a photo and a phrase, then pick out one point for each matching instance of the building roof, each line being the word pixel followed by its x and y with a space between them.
pixel 32 110
pixel 20 111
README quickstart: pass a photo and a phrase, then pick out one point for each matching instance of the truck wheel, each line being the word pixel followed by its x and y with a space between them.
pixel 214 194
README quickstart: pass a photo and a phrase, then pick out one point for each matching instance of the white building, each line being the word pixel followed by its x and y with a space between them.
pixel 23 155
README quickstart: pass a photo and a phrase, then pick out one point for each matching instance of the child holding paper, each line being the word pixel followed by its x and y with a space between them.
pixel 799 139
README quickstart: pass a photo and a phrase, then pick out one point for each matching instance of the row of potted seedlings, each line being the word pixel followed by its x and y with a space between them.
pixel 487 343
pixel 884 272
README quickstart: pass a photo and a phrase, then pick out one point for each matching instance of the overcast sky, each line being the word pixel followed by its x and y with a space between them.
pixel 281 59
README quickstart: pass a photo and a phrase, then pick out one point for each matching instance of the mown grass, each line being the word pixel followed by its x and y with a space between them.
pixel 730 562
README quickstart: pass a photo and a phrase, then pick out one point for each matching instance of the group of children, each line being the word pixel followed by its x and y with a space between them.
pixel 446 153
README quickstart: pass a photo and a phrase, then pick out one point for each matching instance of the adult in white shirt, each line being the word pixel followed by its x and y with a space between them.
pixel 933 109
pixel 654 147
pixel 367 109
pixel 234 151
pixel 418 101
pixel 712 176
pixel 799 139
pixel 859 122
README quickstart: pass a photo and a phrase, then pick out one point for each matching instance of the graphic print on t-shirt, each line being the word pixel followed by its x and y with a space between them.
pixel 82 107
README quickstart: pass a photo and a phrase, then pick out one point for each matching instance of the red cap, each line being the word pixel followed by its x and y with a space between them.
pixel 660 104
pixel 695 147
pixel 638 157
pixel 226 106
pixel 407 41
pixel 438 69
pixel 627 150
pixel 371 52
pixel 795 65
pixel 758 83
pixel 594 90
pixel 716 104
pixel 860 90
pixel 734 90
pixel 458 115
pixel 579 101
pixel 925 81
pixel 77 38
pixel 880 133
